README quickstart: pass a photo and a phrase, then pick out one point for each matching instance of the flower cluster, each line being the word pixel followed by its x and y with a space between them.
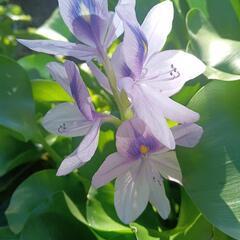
pixel 141 79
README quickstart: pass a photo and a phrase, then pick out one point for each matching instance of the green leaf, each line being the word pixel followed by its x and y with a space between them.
pixel 40 187
pixel 35 65
pixel 222 56
pixel 49 91
pixel 101 214
pixel 221 15
pixel 14 153
pixel 16 103
pixel 212 169
pixel 143 233
pixel 53 220
pixel 6 234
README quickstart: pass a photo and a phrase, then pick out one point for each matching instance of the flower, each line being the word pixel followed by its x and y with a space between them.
pixel 140 165
pixel 151 77
pixel 90 22
pixel 74 119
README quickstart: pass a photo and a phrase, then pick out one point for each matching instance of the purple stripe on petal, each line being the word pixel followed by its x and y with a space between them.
pixel 87 19
pixel 135 48
pixel 79 90
pixel 142 42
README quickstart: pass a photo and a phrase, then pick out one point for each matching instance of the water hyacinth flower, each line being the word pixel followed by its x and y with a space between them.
pixel 151 77
pixel 74 119
pixel 140 165
pixel 90 22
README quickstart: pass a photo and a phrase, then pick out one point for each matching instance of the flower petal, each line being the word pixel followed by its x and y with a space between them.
pixel 171 109
pixel 79 90
pixel 79 51
pixel 126 10
pixel 120 66
pixel 177 67
pixel 158 196
pixel 157 25
pixel 114 166
pixel 85 19
pixel 187 135
pixel 167 165
pixel 58 73
pixel 115 29
pixel 83 153
pixel 135 48
pixel 128 133
pixel 102 79
pixel 132 193
pixel 149 111
pixel 89 144
pixel 72 162
pixel 66 120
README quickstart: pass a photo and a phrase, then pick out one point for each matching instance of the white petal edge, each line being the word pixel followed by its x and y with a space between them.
pixel 167 165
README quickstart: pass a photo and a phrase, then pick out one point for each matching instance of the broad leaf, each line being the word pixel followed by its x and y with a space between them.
pixel 35 65
pixel 16 103
pixel 221 14
pixel 40 187
pixel 221 56
pixel 14 153
pixel 212 169
pixel 49 91
pixel 53 220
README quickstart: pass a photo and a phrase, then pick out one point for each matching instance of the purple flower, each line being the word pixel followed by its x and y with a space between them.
pixel 74 119
pixel 151 77
pixel 91 23
pixel 140 165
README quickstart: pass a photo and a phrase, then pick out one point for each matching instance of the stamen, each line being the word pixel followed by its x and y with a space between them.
pixel 171 74
pixel 144 149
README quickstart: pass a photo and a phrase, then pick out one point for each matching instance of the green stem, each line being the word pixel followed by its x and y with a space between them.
pixel 49 149
pixel 113 84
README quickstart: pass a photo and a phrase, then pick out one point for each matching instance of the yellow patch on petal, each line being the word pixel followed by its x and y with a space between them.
pixel 144 149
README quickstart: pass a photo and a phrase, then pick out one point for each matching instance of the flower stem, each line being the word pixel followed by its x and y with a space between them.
pixel 54 155
pixel 113 84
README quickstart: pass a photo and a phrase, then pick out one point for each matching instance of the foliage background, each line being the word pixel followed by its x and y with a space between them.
pixel 35 204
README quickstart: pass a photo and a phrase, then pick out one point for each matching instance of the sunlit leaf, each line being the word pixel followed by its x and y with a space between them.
pixel 222 56
pixel 49 91
pixel 211 170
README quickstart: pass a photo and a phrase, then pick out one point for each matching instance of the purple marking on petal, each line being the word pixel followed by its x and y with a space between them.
pixel 149 142
pixel 90 29
pixel 79 90
pixel 142 43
